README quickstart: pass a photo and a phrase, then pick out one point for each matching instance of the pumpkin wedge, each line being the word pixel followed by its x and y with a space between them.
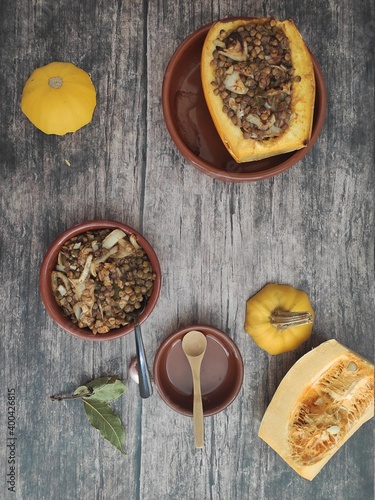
pixel 259 85
pixel 321 402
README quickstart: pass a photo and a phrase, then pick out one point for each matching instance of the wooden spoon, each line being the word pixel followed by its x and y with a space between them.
pixel 194 345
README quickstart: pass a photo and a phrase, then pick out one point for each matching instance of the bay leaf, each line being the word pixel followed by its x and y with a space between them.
pixel 106 388
pixel 102 417
pixel 82 391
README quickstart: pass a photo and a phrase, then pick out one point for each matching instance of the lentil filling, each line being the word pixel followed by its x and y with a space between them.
pixel 254 77
pixel 100 277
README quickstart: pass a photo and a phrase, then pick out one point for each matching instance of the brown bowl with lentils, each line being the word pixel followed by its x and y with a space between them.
pixel 193 131
pixel 95 275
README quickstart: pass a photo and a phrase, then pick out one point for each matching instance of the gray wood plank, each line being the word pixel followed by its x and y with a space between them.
pixel 218 243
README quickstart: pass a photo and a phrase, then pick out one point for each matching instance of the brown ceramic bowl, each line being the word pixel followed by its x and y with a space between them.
pixel 49 263
pixel 192 129
pixel 221 372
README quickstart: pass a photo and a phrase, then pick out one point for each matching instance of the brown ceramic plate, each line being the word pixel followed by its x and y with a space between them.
pixel 221 372
pixel 192 129
pixel 49 263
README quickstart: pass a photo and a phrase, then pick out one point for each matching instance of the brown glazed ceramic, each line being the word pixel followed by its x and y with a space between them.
pixel 221 372
pixel 49 263
pixel 192 129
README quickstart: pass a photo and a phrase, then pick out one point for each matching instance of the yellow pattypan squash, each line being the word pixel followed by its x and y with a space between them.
pixel 279 318
pixel 59 98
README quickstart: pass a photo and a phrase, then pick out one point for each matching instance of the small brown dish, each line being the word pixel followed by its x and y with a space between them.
pixel 192 129
pixel 221 372
pixel 49 263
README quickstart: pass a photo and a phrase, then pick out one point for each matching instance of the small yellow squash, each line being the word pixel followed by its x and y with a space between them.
pixel 320 403
pixel 279 318
pixel 259 84
pixel 59 98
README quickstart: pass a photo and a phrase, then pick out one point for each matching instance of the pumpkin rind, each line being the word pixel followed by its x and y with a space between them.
pixel 320 403
pixel 61 109
pixel 298 133
pixel 259 309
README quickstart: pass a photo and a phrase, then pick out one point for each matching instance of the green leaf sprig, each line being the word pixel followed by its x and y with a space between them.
pixel 95 396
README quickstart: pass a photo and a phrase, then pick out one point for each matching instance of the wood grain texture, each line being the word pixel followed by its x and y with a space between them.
pixel 218 243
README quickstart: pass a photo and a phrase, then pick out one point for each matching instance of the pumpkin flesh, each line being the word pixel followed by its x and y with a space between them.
pixel 320 403
pixel 300 90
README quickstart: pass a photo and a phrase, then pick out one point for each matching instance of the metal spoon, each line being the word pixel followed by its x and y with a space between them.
pixel 145 385
pixel 194 345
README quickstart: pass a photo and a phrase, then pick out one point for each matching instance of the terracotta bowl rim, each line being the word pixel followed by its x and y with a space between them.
pixel 223 339
pixel 49 261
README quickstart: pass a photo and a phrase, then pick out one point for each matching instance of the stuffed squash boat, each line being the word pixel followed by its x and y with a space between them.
pixel 259 86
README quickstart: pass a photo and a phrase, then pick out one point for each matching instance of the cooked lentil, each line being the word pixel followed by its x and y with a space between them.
pixel 98 286
pixel 254 77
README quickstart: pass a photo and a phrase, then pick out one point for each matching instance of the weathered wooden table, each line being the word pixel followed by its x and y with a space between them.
pixel 218 243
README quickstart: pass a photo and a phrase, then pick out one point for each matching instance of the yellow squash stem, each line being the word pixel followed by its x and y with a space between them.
pixel 55 82
pixel 283 320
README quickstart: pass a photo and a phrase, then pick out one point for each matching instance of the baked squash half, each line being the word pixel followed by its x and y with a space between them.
pixel 259 85
pixel 320 403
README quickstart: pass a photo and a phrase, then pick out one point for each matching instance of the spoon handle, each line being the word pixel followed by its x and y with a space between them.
pixel 145 385
pixel 197 410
